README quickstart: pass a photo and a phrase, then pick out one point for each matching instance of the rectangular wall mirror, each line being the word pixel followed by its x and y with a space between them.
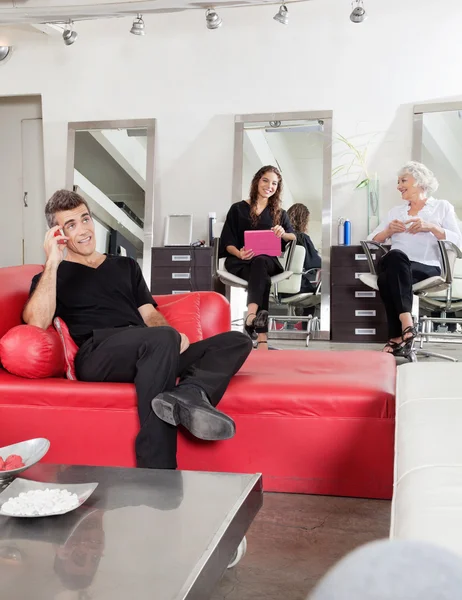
pixel 299 144
pixel 111 164
pixel 437 142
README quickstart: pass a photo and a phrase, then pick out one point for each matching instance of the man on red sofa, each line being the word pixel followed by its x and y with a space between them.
pixel 112 317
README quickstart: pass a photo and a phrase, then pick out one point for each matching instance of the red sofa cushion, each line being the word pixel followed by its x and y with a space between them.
pixel 69 347
pixel 310 421
pixel 320 384
pixel 184 316
pixel 28 351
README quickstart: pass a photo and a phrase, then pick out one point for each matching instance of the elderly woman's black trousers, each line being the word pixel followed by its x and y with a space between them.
pixel 396 276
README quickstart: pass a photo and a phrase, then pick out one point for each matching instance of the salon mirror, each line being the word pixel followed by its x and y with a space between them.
pixel 110 163
pixel 299 145
pixel 437 142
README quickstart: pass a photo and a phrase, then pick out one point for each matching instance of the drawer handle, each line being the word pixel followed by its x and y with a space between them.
pixel 181 275
pixel 365 294
pixel 181 257
pixel 365 331
pixel 364 257
pixel 180 292
pixel 365 313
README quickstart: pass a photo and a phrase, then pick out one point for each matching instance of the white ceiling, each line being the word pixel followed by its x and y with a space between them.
pixel 56 11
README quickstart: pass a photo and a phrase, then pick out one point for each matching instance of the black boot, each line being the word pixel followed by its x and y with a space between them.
pixel 189 406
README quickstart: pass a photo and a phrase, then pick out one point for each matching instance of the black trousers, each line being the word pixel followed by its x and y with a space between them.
pixel 150 357
pixel 396 276
pixel 258 273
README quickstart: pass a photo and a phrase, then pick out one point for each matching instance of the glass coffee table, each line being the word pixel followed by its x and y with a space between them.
pixel 142 535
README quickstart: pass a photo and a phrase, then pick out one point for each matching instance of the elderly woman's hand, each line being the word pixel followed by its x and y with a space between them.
pixel 396 226
pixel 416 225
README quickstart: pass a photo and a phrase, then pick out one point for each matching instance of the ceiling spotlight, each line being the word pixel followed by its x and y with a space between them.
pixel 138 26
pixel 282 16
pixel 212 19
pixel 358 14
pixel 5 52
pixel 69 35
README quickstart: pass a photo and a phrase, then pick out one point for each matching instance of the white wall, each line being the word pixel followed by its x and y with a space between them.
pixel 194 80
pixel 102 236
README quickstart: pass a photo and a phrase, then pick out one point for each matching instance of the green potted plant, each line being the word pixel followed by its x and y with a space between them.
pixel 364 180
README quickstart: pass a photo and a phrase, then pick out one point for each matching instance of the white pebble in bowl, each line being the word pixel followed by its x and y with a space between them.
pixel 27 498
pixel 39 503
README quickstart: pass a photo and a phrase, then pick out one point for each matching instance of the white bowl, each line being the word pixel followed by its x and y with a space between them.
pixel 31 451
pixel 82 490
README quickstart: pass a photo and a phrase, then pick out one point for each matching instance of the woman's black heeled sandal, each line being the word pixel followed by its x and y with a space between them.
pixel 407 344
pixel 250 329
pixel 260 323
pixel 395 347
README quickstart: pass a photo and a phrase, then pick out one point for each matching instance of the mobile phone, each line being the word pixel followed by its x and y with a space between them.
pixel 57 233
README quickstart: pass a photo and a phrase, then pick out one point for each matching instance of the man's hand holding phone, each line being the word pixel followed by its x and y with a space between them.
pixel 55 243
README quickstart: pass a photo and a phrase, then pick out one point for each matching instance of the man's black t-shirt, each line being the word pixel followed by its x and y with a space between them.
pixel 89 299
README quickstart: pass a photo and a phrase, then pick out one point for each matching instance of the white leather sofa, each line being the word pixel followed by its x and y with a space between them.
pixel 427 498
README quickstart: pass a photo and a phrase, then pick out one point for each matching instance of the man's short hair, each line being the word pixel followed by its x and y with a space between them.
pixel 62 200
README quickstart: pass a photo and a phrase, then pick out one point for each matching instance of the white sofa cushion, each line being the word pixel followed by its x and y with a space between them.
pixel 427 499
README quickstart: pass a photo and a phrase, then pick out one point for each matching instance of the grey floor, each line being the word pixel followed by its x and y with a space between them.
pixel 295 538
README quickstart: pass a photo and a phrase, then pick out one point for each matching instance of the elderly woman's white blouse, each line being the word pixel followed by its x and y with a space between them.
pixel 423 247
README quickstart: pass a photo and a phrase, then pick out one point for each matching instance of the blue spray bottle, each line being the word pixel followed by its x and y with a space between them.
pixel 347 233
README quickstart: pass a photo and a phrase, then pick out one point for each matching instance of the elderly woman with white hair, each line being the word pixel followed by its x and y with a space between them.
pixel 413 228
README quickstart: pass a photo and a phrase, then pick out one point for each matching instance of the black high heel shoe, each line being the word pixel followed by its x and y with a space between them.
pixel 407 345
pixel 260 323
pixel 250 328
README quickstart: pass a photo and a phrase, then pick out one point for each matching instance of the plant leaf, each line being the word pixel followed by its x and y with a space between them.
pixel 362 184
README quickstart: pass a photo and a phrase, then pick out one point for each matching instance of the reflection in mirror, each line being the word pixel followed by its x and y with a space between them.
pixel 438 144
pixel 109 169
pixel 442 153
pixel 299 145
pixel 296 148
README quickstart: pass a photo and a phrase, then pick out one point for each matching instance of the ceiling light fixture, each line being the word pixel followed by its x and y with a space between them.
pixel 69 35
pixel 358 14
pixel 5 52
pixel 212 20
pixel 138 26
pixel 282 16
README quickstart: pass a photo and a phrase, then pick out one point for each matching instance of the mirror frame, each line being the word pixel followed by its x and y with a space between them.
pixel 150 126
pixel 417 127
pixel 326 225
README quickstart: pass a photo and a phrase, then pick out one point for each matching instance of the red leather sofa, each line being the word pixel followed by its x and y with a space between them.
pixel 310 421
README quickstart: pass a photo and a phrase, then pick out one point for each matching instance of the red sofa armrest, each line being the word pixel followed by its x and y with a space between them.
pixel 215 311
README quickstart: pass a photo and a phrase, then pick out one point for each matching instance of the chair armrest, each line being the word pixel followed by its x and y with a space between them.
pixel 289 251
pixel 367 246
pixel 446 263
pixel 216 256
pixel 317 280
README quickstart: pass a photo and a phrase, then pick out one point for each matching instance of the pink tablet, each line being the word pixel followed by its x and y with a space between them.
pixel 262 242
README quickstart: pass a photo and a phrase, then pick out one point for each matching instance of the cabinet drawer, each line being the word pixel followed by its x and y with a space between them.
pixel 179 287
pixel 347 276
pixel 351 256
pixel 359 332
pixel 350 313
pixel 182 257
pixel 345 294
pixel 199 277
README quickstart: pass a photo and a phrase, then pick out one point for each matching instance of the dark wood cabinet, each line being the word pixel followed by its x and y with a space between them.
pixel 357 313
pixel 181 269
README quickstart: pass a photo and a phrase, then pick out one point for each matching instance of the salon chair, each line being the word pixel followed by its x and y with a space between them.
pixel 422 290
